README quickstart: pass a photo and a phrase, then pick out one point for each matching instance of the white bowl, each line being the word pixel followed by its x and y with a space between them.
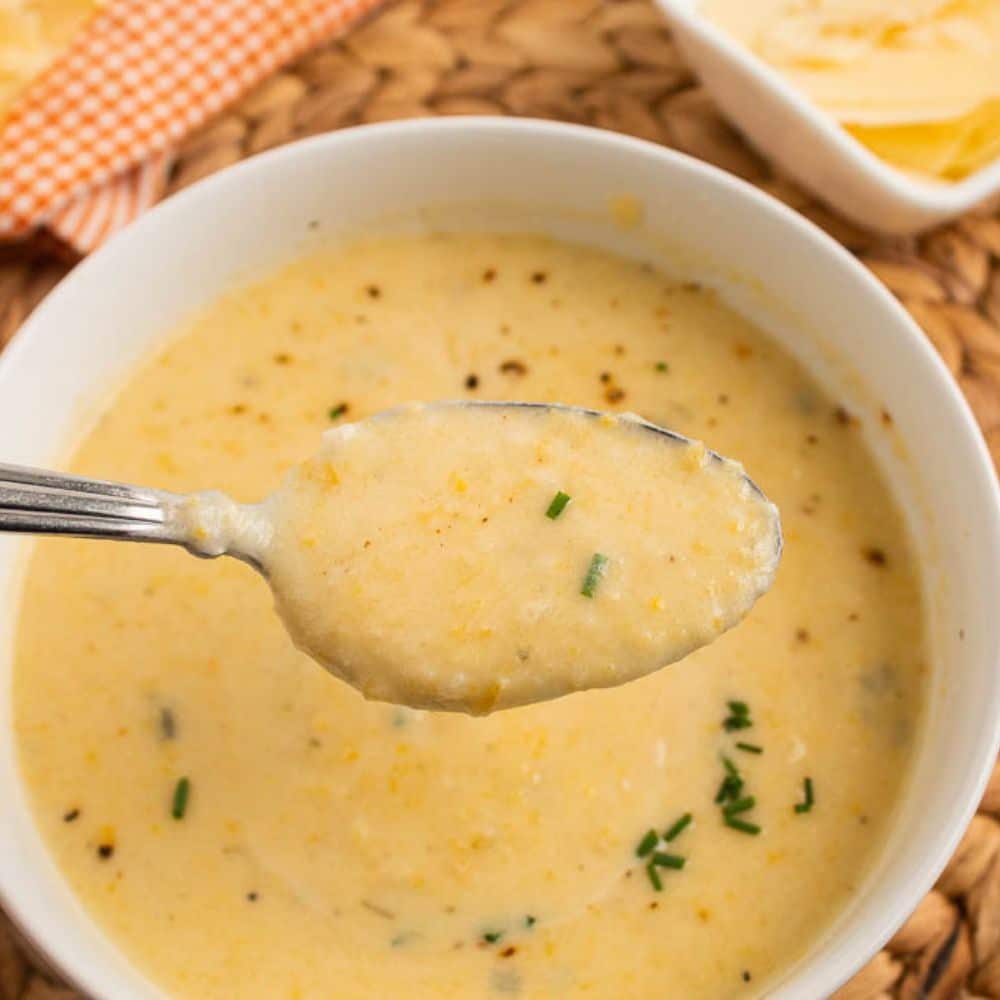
pixel 540 176
pixel 809 144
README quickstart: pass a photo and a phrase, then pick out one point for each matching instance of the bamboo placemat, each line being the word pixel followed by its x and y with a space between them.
pixel 611 63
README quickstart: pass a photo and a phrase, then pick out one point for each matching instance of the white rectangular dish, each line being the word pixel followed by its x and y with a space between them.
pixel 799 136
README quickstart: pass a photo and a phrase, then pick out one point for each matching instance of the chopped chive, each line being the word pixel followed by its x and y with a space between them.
pixel 596 570
pixel 735 823
pixel 807 804
pixel 663 860
pixel 662 366
pixel 749 747
pixel 732 783
pixel 730 795
pixel 530 921
pixel 729 789
pixel 558 505
pixel 678 827
pixel 181 793
pixel 491 937
pixel 738 718
pixel 336 412
pixel 646 844
pixel 654 877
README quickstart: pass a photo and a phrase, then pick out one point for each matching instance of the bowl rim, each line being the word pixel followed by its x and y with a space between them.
pixel 831 968
pixel 946 198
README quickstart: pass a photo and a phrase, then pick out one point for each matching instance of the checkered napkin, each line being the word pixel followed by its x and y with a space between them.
pixel 87 147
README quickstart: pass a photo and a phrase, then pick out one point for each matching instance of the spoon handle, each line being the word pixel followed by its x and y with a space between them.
pixel 40 502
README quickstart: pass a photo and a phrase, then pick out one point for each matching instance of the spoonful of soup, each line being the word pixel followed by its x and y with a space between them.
pixel 470 556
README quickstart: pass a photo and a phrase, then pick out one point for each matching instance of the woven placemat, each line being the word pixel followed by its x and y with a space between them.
pixel 611 63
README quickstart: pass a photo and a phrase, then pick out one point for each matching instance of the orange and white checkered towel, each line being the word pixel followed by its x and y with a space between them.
pixel 87 147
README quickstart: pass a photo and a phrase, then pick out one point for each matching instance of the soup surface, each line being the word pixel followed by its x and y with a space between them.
pixel 243 825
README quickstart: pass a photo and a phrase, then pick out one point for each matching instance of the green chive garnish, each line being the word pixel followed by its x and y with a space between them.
pixel 491 937
pixel 558 505
pixel 678 827
pixel 806 806
pixel 730 795
pixel 738 718
pixel 646 844
pixel 662 366
pixel 729 789
pixel 732 783
pixel 663 860
pixel 530 921
pixel 654 877
pixel 735 823
pixel 749 747
pixel 740 806
pixel 336 412
pixel 598 565
pixel 181 793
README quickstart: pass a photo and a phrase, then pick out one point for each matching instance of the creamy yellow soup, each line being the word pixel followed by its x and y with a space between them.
pixel 243 825
pixel 431 557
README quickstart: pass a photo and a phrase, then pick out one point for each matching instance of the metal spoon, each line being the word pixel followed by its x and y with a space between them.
pixel 41 502
pixel 297 537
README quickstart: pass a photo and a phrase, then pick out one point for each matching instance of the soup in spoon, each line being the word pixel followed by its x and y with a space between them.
pixel 479 556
